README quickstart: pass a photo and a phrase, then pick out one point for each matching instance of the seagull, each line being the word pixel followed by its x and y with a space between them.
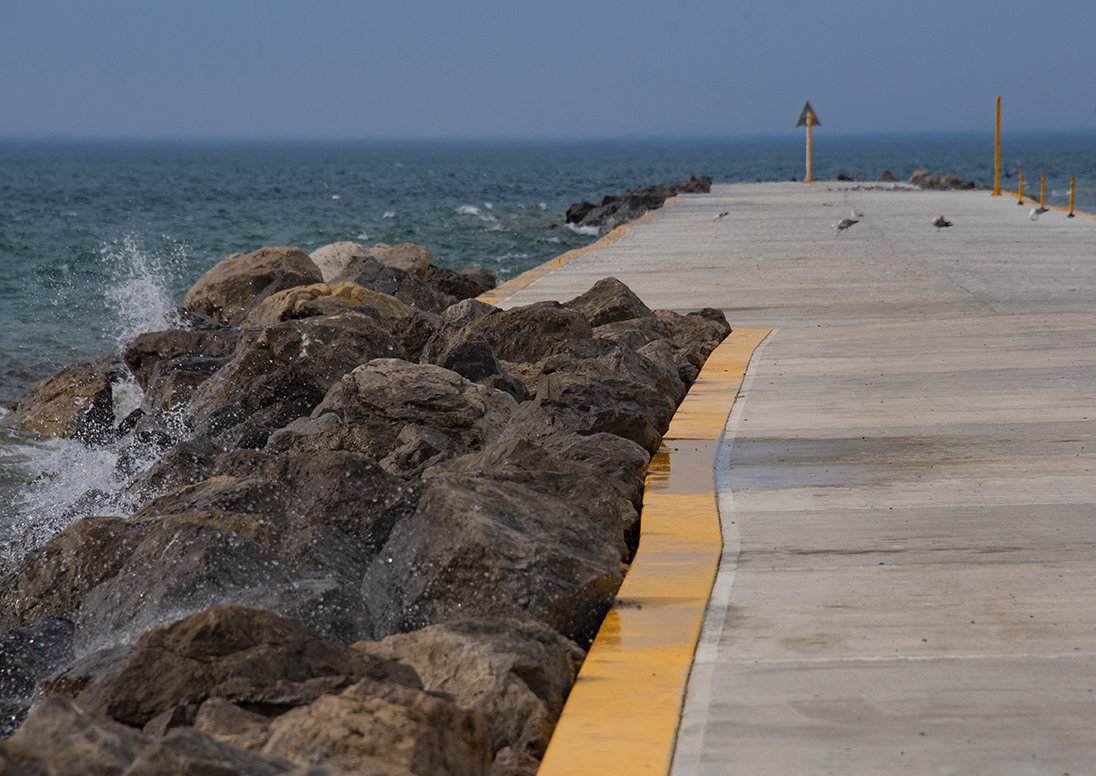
pixel 1037 211
pixel 940 223
pixel 844 224
pixel 724 214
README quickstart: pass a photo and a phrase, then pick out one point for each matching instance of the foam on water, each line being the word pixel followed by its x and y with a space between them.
pixel 591 231
pixel 139 291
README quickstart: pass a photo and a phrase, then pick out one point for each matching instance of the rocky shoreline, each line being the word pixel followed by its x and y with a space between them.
pixel 369 524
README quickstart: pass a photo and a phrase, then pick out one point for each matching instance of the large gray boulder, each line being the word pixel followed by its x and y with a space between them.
pixel 478 547
pixel 518 672
pixel 532 332
pixel 609 301
pixel 146 350
pixel 228 291
pixel 282 371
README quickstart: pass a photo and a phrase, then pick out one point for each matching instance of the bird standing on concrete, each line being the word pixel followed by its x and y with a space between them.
pixel 724 214
pixel 844 224
pixel 1037 211
pixel 940 223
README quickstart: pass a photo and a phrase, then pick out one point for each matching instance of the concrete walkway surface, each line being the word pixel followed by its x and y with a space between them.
pixel 906 487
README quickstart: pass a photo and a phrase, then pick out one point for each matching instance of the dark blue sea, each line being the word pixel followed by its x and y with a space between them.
pixel 99 241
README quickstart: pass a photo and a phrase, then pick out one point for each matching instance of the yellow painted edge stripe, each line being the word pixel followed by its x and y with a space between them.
pixel 624 710
pixel 510 287
pixel 1031 201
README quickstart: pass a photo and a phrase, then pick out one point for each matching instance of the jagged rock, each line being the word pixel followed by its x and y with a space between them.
pixel 886 177
pixel 406 256
pixel 451 326
pixel 405 286
pixel 673 358
pixel 146 350
pixel 384 728
pixel 372 405
pixel 75 403
pixel 284 370
pixel 609 301
pixel 518 672
pixel 529 333
pixel 185 463
pixel 59 738
pixel 460 285
pixel 608 502
pixel 540 418
pixel 236 285
pixel 926 180
pixel 348 491
pixel 325 299
pixel 183 567
pixel 478 547
pixel 187 751
pixel 28 655
pixel 472 357
pixel 616 210
pixel 228 651
pixel 333 259
pixel 698 332
pixel 54 580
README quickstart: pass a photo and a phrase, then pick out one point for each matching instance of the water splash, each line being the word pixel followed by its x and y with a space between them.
pixel 139 291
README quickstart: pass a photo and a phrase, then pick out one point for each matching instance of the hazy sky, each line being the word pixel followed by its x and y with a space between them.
pixel 560 69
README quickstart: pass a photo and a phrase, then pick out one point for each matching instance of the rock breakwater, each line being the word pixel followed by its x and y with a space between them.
pixel 367 523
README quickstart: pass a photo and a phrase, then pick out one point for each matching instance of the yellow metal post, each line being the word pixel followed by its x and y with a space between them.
pixel 997 153
pixel 1042 189
pixel 1070 197
pixel 810 145
pixel 1020 199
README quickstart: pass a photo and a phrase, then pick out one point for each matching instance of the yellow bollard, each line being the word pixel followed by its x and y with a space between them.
pixel 1042 189
pixel 1070 197
pixel 997 153
pixel 559 260
pixel 1020 200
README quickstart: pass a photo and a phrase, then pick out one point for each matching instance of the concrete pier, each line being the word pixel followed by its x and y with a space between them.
pixel 907 480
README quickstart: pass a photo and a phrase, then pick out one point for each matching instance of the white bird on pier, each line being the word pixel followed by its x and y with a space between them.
pixel 1037 211
pixel 844 224
pixel 940 223
pixel 724 214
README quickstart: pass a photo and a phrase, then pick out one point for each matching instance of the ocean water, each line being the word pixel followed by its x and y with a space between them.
pixel 100 241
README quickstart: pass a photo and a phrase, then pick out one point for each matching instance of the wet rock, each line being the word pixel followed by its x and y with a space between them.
pixel 518 672
pixel 460 285
pixel 185 463
pixel 28 655
pixel 146 350
pixel 174 381
pixel 75 403
pixel 54 580
pixel 926 180
pixel 323 299
pixel 372 727
pixel 236 285
pixel 529 333
pixel 609 301
pixel 478 547
pixel 240 653
pixel 281 372
pixel 183 567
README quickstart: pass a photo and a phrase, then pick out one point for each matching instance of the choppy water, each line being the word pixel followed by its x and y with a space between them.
pixel 99 242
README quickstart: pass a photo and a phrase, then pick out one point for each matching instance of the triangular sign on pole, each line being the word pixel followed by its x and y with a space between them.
pixel 808 111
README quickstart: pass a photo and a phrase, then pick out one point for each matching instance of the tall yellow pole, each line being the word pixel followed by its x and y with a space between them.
pixel 1070 197
pixel 810 145
pixel 1042 189
pixel 997 153
pixel 1020 199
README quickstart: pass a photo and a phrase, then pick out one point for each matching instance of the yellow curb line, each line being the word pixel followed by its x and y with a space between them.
pixel 510 287
pixel 623 712
pixel 1016 195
